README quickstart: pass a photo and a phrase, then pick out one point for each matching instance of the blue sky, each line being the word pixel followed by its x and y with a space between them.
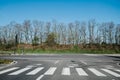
pixel 60 10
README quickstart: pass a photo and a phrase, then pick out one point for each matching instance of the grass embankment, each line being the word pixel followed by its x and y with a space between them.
pixel 5 61
pixel 65 49
pixel 71 51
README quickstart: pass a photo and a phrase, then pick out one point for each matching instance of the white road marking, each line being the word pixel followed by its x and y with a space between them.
pixel 109 67
pixel 92 54
pixel 96 72
pixel 73 65
pixel 66 71
pixel 81 72
pixel 30 66
pixel 111 72
pixel 50 71
pixel 35 71
pixel 83 62
pixel 117 70
pixel 56 61
pixel 40 77
pixel 8 70
pixel 20 71
pixel 38 64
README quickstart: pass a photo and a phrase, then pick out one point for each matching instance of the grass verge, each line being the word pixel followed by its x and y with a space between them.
pixel 69 51
pixel 5 61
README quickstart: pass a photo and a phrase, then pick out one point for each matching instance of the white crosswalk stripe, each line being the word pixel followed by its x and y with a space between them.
pixel 50 71
pixel 117 70
pixel 81 72
pixel 40 77
pixel 103 72
pixel 8 70
pixel 96 72
pixel 35 71
pixel 20 71
pixel 66 71
pixel 111 72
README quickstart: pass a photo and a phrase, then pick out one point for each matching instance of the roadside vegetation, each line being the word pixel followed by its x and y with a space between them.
pixel 53 37
pixel 5 61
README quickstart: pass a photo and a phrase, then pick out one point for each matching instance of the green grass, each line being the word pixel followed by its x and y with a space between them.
pixel 69 51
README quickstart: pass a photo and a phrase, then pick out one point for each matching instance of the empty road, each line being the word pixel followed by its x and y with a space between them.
pixel 61 67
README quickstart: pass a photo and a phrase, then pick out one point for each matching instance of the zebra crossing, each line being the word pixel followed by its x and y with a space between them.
pixel 66 71
pixel 96 72
pixel 50 71
pixel 20 71
pixel 7 70
pixel 35 71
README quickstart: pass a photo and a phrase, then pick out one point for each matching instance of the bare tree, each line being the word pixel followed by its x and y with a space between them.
pixel 18 32
pixel 91 26
pixel 61 33
pixel 117 34
pixel 104 32
pixel 110 32
pixel 48 26
pixel 99 34
pixel 71 33
pixel 55 29
pixel 35 30
pixel 77 32
pixel 83 32
pixel 26 27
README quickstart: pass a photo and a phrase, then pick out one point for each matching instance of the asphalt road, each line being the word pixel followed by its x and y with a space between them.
pixel 62 67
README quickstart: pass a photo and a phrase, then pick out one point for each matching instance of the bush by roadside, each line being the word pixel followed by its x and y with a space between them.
pixel 5 61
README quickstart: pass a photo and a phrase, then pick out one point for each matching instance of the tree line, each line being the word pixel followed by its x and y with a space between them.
pixel 56 33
